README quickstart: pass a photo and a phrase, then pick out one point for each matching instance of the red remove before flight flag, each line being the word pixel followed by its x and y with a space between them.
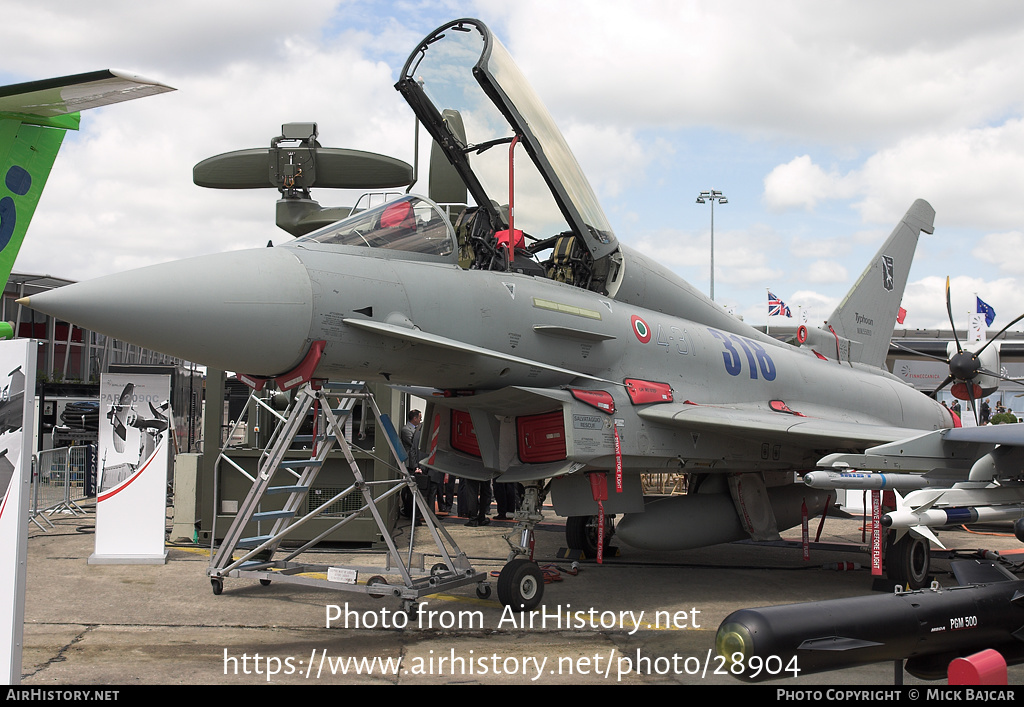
pixel 618 460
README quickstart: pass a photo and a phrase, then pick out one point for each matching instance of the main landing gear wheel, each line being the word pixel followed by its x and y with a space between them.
pixel 908 561
pixel 581 533
pixel 521 585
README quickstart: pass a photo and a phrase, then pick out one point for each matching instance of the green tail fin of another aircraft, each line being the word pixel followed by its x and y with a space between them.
pixel 33 119
pixel 27 153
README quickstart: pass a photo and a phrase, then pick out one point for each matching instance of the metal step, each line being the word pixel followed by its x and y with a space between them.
pixel 254 541
pixel 299 464
pixel 311 438
pixel 344 387
pixel 273 515
pixel 286 489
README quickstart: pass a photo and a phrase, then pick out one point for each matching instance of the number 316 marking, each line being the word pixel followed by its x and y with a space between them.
pixel 755 354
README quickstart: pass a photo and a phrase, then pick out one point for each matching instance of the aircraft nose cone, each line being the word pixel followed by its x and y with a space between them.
pixel 246 311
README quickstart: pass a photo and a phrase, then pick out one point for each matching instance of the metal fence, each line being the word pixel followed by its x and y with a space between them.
pixel 59 480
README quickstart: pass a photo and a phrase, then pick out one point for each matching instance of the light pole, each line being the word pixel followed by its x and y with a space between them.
pixel 712 196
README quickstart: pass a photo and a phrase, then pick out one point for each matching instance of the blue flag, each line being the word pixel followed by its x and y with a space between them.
pixel 990 314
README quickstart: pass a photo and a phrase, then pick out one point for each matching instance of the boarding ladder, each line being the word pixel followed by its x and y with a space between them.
pixel 253 556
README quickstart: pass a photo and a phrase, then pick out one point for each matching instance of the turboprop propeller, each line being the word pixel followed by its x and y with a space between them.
pixel 973 368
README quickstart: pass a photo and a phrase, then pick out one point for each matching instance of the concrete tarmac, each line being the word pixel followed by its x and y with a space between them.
pixel 162 624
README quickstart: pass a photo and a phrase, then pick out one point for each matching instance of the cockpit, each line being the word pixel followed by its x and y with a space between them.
pixel 410 224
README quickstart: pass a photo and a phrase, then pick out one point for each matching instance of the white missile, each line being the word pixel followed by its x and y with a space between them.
pixel 859 480
pixel 908 519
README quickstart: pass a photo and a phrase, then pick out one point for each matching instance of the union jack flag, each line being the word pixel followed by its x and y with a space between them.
pixel 776 307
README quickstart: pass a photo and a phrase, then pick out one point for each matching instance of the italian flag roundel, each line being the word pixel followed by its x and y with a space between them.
pixel 640 328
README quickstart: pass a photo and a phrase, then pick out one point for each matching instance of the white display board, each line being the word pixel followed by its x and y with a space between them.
pixel 17 397
pixel 134 437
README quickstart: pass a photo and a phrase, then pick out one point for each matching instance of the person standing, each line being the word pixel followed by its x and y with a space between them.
pixel 412 421
pixel 479 502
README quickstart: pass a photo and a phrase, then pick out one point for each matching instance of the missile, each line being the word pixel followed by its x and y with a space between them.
pixel 906 518
pixel 927 627
pixel 859 480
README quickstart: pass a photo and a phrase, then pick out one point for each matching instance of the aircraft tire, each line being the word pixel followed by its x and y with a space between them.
pixel 581 534
pixel 521 585
pixel 908 561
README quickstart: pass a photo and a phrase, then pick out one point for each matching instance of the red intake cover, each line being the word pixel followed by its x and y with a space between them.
pixel 463 437
pixel 541 437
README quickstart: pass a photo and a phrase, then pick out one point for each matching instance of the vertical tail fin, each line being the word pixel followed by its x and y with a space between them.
pixel 27 153
pixel 867 314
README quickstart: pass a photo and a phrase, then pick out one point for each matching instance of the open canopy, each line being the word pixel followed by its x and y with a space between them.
pixel 462 69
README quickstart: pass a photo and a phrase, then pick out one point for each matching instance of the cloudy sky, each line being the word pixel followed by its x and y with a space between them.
pixel 821 128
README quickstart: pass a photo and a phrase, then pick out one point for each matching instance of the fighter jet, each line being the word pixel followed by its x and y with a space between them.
pixel 568 362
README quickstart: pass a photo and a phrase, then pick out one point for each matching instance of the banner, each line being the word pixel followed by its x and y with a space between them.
pixel 134 459
pixel 17 398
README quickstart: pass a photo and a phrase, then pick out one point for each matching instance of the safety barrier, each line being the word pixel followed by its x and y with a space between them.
pixel 58 482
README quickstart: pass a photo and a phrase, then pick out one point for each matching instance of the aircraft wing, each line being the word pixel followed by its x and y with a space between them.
pixel 989 434
pixel 755 422
pixel 956 448
pixel 71 94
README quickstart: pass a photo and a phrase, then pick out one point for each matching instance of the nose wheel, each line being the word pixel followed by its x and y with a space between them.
pixel 521 584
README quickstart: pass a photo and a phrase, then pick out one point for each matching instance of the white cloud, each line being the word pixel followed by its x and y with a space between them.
pixel 822 246
pixel 802 184
pixel 828 271
pixel 813 305
pixel 613 157
pixel 778 69
pixel 1003 250
pixel 967 175
pixel 925 301
pixel 172 39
